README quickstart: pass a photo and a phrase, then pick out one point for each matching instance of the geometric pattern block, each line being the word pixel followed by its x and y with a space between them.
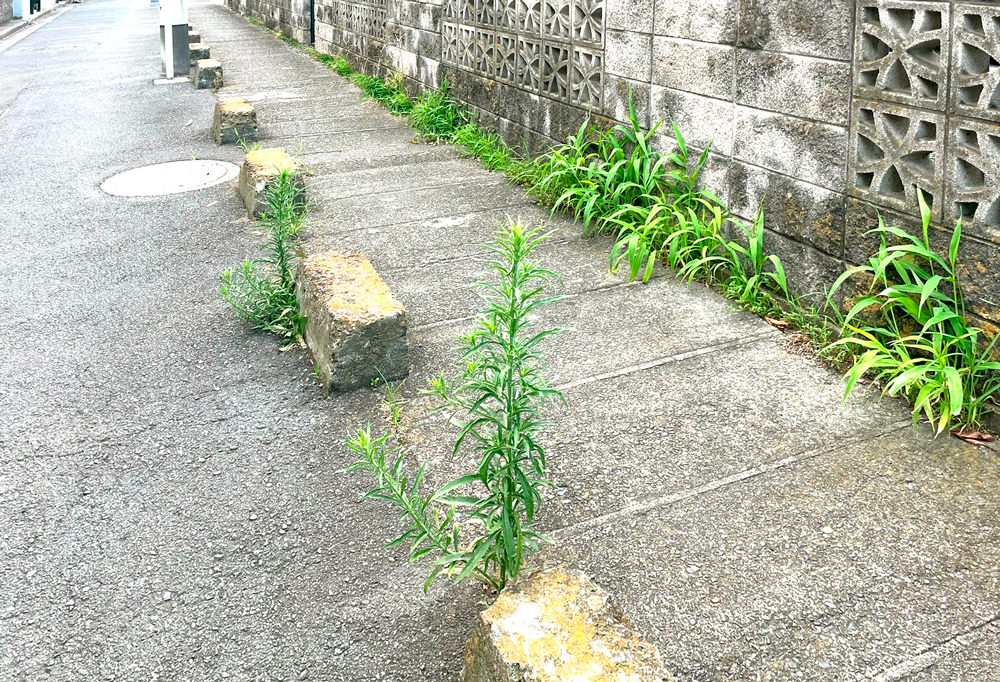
pixel 553 48
pixel 895 150
pixel 973 180
pixel 529 64
pixel 587 88
pixel 529 17
pixel 557 18
pixel 357 21
pixel 588 22
pixel 975 80
pixel 902 52
pixel 555 71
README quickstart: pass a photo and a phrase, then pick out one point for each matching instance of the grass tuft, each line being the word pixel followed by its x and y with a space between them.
pixel 262 290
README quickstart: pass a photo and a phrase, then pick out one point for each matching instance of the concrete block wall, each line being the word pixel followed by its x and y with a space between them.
pixel 292 18
pixel 6 10
pixel 814 108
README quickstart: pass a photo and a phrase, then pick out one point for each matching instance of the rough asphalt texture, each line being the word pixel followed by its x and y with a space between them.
pixel 171 507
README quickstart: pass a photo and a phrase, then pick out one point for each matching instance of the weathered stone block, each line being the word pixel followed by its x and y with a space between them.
pixel 805 27
pixel 199 51
pixel 708 20
pixel 802 86
pixel 814 152
pixel 702 68
pixel 630 15
pixel 194 37
pixel 810 271
pixel 259 169
pixel 207 74
pixel 235 121
pixel 355 328
pixel 627 54
pixel 978 260
pixel 616 99
pixel 793 208
pixel 703 121
pixel 557 626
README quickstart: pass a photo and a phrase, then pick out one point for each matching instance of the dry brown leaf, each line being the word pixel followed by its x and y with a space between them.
pixel 973 437
pixel 780 324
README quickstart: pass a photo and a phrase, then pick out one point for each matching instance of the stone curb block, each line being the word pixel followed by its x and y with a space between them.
pixel 557 626
pixel 355 328
pixel 193 37
pixel 199 51
pixel 259 167
pixel 207 74
pixel 235 120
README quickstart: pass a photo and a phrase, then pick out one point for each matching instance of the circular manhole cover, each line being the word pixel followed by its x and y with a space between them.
pixel 169 178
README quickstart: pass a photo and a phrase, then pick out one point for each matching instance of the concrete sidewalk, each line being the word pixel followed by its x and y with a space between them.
pixel 707 477
pixel 170 506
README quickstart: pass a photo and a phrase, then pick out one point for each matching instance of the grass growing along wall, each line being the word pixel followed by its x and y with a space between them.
pixel 615 182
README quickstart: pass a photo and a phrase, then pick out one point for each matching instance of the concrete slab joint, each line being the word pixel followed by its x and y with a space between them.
pixel 355 328
pixel 259 168
pixel 235 121
pixel 207 74
pixel 557 626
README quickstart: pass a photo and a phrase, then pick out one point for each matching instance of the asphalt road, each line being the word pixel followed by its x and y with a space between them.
pixel 170 507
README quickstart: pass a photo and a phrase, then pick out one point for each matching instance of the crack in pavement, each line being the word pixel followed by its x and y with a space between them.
pixel 640 508
pixel 937 652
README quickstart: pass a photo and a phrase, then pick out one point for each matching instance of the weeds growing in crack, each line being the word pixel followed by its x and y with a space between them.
pixel 910 329
pixel 262 290
pixel 496 403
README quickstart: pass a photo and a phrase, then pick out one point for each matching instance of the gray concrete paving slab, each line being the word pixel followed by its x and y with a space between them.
pixel 835 567
pixel 972 656
pixel 594 342
pixel 438 290
pixel 380 181
pixel 666 424
pixel 424 201
pixel 321 127
pixel 348 158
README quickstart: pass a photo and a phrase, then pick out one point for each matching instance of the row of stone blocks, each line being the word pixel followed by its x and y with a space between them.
pixel 207 71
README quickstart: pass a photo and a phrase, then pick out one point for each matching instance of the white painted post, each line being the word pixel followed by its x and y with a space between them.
pixel 174 28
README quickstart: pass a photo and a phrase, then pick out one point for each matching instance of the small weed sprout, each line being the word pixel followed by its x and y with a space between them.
pixel 247 147
pixel 262 290
pixel 392 401
pixel 497 402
